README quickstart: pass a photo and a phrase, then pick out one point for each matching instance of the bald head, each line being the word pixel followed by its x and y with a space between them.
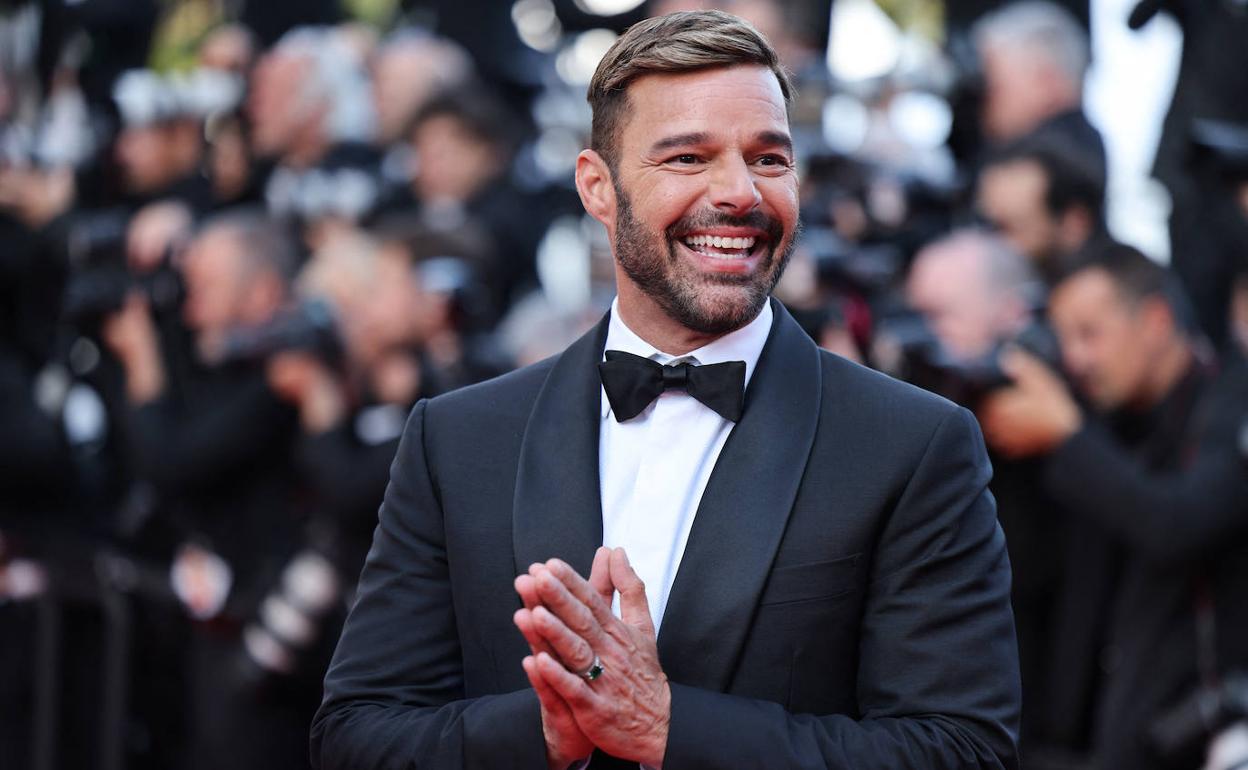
pixel 973 290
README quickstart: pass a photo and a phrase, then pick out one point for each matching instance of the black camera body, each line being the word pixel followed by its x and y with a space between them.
pixel 922 360
pixel 100 280
pixel 310 327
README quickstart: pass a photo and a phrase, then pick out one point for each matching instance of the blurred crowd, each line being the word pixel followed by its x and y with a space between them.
pixel 239 240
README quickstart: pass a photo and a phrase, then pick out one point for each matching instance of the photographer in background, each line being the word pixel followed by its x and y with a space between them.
pixel 410 68
pixel 1155 483
pixel 1034 55
pixel 463 143
pixel 312 119
pixel 217 448
pixel 1045 199
pixel 976 293
pixel 352 414
pixel 160 147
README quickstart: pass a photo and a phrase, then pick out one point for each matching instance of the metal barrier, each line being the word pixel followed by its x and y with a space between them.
pixel 107 587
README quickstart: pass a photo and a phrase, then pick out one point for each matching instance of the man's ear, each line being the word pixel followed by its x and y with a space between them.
pixel 263 297
pixel 1075 227
pixel 1157 317
pixel 596 188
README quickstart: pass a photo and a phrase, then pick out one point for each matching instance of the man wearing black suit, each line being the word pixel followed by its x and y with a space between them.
pixel 817 547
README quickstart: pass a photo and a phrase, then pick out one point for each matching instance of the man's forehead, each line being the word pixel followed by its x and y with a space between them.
pixel 749 91
pixel 706 102
pixel 1089 289
pixel 1015 174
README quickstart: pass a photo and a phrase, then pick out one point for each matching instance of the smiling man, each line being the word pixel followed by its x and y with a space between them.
pixel 733 549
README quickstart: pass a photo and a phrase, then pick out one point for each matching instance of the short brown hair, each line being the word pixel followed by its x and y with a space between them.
pixel 685 41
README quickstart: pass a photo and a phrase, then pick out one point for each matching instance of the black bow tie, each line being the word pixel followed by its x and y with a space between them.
pixel 633 382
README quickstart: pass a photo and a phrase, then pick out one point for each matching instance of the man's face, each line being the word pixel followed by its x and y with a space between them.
pixel 452 163
pixel 144 154
pixel 706 194
pixel 402 80
pixel 274 104
pixel 1012 197
pixel 1105 347
pixel 392 314
pixel 214 273
pixel 1014 93
pixel 948 288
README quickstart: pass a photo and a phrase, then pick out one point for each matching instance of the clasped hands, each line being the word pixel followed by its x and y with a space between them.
pixel 568 623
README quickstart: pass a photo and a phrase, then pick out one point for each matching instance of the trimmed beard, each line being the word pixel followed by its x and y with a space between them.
pixel 683 296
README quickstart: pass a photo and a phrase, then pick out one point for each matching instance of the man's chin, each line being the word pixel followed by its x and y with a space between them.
pixel 718 308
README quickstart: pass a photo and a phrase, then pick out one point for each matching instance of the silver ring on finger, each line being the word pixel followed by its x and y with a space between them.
pixel 594 671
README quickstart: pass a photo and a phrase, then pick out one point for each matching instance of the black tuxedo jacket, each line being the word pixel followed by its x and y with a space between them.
pixel 842 602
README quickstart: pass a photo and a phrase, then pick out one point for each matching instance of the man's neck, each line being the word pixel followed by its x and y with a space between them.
pixel 648 321
pixel 1169 370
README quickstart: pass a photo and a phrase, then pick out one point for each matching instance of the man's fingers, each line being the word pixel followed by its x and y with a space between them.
pixel 571 649
pixel 600 575
pixel 634 607
pixel 1024 367
pixel 579 589
pixel 526 586
pixel 528 629
pixel 546 694
pixel 574 690
pixel 579 612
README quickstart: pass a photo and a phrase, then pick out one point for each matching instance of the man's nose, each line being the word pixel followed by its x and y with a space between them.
pixel 733 188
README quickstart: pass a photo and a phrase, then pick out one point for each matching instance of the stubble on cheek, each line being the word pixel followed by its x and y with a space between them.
pixel 705 302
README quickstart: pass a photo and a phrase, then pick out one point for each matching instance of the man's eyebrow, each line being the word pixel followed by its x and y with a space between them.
pixel 770 138
pixel 679 140
pixel 775 138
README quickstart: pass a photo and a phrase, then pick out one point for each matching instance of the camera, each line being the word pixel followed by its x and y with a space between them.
pixel 309 326
pixel 100 279
pixel 908 349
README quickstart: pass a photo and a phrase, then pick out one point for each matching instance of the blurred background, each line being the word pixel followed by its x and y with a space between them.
pixel 240 239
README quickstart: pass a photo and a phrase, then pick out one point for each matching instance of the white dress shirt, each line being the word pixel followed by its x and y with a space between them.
pixel 654 467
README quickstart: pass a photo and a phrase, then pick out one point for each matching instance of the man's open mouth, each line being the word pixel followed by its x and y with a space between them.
pixel 726 247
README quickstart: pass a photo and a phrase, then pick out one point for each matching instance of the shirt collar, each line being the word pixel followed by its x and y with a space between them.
pixel 744 344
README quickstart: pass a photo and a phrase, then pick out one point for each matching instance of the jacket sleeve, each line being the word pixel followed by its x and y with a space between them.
pixel 187 451
pixel 394 693
pixel 938 683
pixel 1169 518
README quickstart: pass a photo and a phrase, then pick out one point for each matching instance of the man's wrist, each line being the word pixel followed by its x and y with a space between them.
pixel 557 761
pixel 656 747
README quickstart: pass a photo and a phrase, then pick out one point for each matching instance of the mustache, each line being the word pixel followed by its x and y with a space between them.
pixel 706 220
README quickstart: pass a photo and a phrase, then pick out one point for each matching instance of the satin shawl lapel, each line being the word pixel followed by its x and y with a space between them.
pixel 557 510
pixel 743 512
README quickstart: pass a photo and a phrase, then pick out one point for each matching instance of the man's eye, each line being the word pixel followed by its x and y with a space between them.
pixel 684 160
pixel 773 160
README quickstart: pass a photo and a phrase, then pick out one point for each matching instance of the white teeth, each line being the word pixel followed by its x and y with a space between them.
pixel 719 242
